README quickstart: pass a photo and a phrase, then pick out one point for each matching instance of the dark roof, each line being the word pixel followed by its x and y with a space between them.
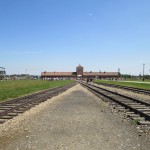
pixel 79 66
pixel 100 73
pixel 57 74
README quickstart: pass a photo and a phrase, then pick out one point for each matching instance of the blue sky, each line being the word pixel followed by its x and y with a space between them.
pixel 58 35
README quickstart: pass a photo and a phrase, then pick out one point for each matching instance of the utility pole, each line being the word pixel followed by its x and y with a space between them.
pixel 119 72
pixel 143 71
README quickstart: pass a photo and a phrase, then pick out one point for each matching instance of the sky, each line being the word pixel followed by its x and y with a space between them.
pixel 58 35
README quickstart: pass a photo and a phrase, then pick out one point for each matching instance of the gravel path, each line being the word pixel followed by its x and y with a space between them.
pixel 74 120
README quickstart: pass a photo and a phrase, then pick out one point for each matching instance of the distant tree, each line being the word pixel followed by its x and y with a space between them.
pixel 126 76
pixel 147 76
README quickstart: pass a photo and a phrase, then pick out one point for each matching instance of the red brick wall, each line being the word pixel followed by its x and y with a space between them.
pixel 79 70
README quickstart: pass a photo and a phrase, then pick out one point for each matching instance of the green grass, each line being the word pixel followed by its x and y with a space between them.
pixel 13 89
pixel 135 122
pixel 130 84
pixel 139 80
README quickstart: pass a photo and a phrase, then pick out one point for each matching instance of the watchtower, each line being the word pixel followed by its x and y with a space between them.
pixel 2 73
pixel 79 70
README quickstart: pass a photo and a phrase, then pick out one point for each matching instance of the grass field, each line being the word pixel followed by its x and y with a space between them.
pixel 140 80
pixel 130 84
pixel 13 89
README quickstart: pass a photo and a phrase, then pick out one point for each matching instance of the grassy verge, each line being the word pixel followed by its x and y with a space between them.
pixel 13 89
pixel 130 84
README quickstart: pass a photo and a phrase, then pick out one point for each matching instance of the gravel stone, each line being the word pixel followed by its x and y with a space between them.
pixel 73 120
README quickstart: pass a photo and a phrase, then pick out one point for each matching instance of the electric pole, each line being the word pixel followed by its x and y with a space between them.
pixel 143 71
pixel 119 72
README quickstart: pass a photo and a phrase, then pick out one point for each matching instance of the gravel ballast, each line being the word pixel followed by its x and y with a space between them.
pixel 140 96
pixel 73 120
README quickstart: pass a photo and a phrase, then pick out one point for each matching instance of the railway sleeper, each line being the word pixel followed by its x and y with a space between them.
pixel 143 109
pixel 35 103
pixel 124 99
pixel 113 103
pixel 18 111
pixel 120 107
pixel 138 107
pixel 130 112
pixel 12 105
pixel 146 112
pixel 123 110
pixel 132 103
pixel 6 117
pixel 2 121
pixel 144 122
pixel 13 114
pixel 23 109
pixel 4 109
pixel 6 106
pixel 138 118
pixel 26 106
pixel 133 115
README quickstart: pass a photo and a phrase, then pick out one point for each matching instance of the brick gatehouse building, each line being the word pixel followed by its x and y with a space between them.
pixel 79 74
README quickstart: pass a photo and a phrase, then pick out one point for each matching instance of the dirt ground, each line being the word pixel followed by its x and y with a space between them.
pixel 73 120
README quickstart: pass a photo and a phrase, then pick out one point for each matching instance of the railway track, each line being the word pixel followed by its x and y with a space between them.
pixel 12 108
pixel 137 90
pixel 136 109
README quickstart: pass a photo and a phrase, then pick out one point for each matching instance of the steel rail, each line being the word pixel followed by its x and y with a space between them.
pixel 101 92
pixel 128 97
pixel 138 90
pixel 26 102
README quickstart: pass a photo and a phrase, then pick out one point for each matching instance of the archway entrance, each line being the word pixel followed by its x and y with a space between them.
pixel 79 77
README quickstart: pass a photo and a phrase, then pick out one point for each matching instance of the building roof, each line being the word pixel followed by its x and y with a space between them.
pixel 79 66
pixel 58 74
pixel 100 73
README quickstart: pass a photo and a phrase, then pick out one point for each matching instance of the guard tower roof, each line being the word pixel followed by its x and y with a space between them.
pixel 79 66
